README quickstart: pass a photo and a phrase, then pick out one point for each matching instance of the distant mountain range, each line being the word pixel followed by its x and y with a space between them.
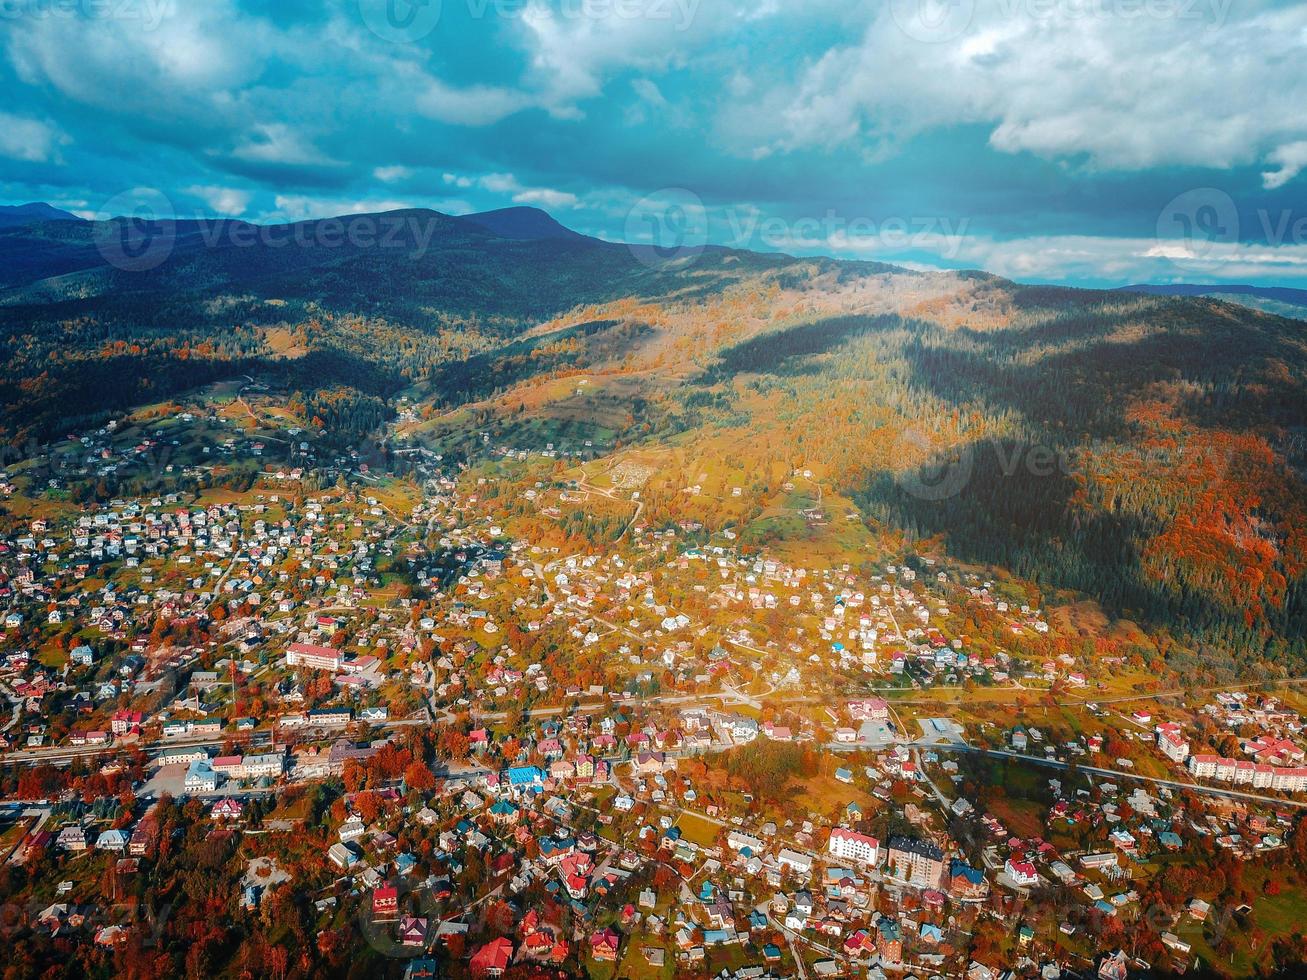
pixel 522 224
pixel 1146 450
pixel 1281 300
pixel 17 215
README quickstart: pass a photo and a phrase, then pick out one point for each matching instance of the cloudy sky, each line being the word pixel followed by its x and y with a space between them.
pixel 1083 141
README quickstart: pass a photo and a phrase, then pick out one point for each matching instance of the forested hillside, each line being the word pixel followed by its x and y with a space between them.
pixel 1146 451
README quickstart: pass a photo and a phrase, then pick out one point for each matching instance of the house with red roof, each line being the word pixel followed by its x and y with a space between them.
pixel 385 902
pixel 492 959
pixel 604 944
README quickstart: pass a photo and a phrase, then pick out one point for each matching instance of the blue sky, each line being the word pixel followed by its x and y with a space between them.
pixel 1094 142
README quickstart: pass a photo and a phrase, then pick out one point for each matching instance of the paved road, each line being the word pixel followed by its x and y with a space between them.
pixel 1181 691
pixel 1119 774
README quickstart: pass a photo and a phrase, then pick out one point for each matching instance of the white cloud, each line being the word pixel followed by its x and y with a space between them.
pixel 546 198
pixel 1190 85
pixel 509 185
pixel 1080 257
pixel 388 175
pixel 174 69
pixel 228 201
pixel 30 140
pixel 296 207
pixel 476 105
pixel 1289 161
pixel 278 143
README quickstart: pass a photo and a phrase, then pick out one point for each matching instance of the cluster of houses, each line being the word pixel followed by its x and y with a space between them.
pixel 1274 763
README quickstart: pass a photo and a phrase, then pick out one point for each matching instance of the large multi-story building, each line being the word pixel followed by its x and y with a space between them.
pixel 312 656
pixel 1257 775
pixel 1172 742
pixel 916 861
pixel 852 846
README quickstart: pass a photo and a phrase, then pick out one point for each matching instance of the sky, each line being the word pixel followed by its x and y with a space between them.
pixel 1092 142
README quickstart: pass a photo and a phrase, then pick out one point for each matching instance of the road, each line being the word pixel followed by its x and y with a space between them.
pixel 1182 691
pixel 611 495
pixel 1119 774
pixel 17 702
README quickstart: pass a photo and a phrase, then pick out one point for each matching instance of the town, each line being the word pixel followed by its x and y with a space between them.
pixel 476 751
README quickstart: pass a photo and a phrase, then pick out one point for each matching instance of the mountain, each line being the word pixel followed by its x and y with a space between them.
pixel 521 224
pixel 1281 300
pixel 12 216
pixel 1144 450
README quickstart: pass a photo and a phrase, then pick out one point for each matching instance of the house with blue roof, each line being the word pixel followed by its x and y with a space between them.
pixel 520 777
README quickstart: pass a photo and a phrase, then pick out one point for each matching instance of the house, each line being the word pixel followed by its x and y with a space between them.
pixel 186 755
pixel 1114 966
pixel 385 902
pixel 413 931
pixel 604 944
pixel 872 709
pixel 143 838
pixel 1171 741
pixel 331 717
pixel 800 864
pixel 352 828
pixel 421 969
pixel 227 765
pixel 1104 859
pixel 227 809
pixel 965 881
pixel 125 721
pixel 492 959
pixel 1023 873
pixel 200 777
pixel 344 855
pixel 111 840
pixel 738 841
